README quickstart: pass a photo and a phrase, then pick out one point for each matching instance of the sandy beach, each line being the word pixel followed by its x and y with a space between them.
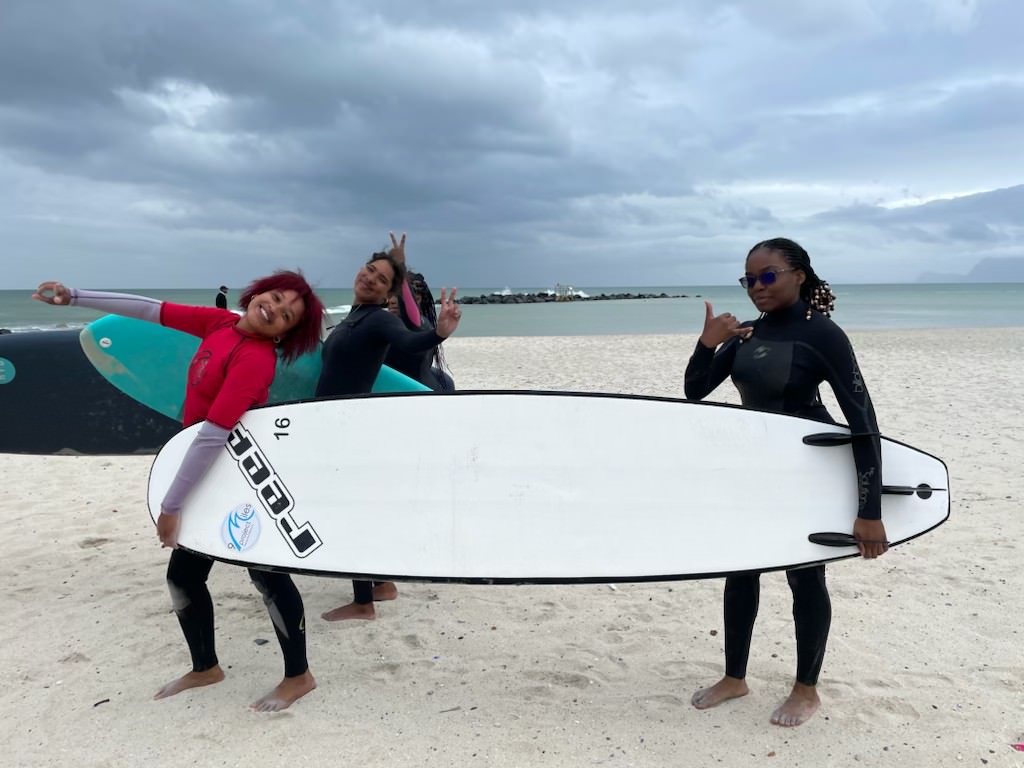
pixel 925 664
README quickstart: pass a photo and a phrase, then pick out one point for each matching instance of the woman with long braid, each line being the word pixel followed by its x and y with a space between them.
pixel 777 363
pixel 428 366
pixel 414 306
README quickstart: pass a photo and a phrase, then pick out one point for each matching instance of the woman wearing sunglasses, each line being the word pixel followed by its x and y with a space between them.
pixel 777 363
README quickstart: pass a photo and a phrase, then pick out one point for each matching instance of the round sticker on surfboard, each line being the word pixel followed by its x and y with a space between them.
pixel 241 528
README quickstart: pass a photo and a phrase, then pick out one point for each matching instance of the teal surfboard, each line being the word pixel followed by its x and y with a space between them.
pixel 149 363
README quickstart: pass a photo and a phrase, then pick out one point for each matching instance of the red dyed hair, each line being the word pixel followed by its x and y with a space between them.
pixel 305 336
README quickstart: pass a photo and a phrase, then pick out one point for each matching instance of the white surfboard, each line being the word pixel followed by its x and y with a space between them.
pixel 535 487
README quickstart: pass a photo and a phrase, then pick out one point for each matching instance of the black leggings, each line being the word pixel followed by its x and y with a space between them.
pixel 186 579
pixel 363 591
pixel 812 614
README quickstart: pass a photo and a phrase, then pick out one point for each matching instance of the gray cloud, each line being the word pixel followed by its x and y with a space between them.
pixel 166 143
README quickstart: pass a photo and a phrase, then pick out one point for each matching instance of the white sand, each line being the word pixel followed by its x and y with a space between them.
pixel 925 665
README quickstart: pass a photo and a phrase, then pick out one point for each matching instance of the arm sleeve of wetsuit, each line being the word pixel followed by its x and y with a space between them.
pixel 412 311
pixel 843 375
pixel 198 458
pixel 140 307
pixel 708 368
pixel 396 334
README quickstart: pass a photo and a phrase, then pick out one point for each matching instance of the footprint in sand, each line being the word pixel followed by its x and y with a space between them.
pixel 93 542
pixel 561 679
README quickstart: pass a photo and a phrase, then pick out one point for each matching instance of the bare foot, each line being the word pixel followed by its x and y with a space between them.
pixel 386 590
pixel 801 705
pixel 350 611
pixel 191 680
pixel 288 691
pixel 725 689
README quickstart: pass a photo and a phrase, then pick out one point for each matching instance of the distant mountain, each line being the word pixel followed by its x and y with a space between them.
pixel 997 271
pixel 992 270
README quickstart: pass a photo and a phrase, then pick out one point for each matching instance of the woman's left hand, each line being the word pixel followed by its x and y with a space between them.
pixel 871 538
pixel 451 313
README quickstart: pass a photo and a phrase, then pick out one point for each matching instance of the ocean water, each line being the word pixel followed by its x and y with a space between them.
pixel 859 307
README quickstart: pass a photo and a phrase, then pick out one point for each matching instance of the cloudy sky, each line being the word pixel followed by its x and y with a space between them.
pixel 161 143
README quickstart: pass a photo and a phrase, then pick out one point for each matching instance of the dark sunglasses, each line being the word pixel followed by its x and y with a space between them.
pixel 766 278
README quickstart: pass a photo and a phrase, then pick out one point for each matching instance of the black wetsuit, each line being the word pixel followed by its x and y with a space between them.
pixel 779 368
pixel 354 351
pixel 186 578
pixel 353 354
pixel 415 365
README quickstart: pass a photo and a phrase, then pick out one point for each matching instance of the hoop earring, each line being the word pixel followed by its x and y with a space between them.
pixel 277 339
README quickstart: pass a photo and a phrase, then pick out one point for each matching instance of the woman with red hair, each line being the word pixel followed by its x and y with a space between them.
pixel 230 373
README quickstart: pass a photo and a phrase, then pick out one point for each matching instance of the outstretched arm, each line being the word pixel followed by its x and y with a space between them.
pixel 391 330
pixel 129 305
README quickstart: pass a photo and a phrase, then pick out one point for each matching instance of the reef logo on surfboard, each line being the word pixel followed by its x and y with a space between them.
pixel 6 371
pixel 241 528
pixel 276 499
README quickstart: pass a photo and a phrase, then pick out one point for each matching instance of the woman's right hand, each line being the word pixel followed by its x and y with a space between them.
pixel 52 292
pixel 167 529
pixel 449 316
pixel 719 328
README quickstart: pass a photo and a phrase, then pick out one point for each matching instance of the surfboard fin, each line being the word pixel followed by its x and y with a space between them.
pixel 828 439
pixel 833 539
pixel 923 490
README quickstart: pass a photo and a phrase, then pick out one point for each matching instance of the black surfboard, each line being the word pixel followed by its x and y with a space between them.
pixel 53 401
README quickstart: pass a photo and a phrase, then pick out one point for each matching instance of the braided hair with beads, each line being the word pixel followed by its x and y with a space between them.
pixel 425 302
pixel 815 291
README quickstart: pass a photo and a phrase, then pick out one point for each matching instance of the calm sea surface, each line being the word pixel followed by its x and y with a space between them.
pixel 859 307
